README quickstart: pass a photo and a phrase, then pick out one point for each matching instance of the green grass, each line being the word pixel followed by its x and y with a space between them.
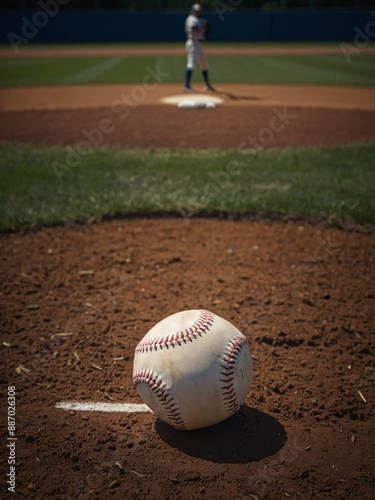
pixel 297 69
pixel 38 187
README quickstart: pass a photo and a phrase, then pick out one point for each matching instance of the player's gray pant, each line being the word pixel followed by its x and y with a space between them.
pixel 195 54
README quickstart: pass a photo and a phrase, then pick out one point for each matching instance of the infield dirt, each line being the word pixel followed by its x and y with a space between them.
pixel 82 296
pixel 76 300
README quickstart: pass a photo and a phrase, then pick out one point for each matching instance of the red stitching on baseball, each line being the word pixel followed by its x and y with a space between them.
pixel 199 328
pixel 230 358
pixel 161 392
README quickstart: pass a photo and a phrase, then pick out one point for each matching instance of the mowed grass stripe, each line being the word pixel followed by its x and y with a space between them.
pixel 296 69
pixel 93 72
pixel 59 70
pixel 43 71
pixel 301 70
pixel 31 61
pixel 309 69
pixel 37 185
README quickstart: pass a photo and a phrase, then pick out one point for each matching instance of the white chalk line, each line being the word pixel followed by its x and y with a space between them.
pixel 103 407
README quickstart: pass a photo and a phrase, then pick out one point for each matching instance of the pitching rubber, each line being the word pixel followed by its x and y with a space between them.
pixel 193 101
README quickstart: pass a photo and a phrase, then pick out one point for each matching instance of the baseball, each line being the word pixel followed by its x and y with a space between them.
pixel 193 369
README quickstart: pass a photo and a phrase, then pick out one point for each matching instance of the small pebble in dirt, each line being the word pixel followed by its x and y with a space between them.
pixel 114 484
pixel 119 465
pixel 202 490
pixel 33 307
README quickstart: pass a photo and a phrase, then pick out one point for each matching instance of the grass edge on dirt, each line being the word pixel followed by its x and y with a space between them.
pixel 53 185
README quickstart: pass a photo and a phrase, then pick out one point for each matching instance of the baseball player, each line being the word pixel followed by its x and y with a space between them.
pixel 195 30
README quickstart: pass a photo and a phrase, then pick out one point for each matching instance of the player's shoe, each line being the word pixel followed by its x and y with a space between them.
pixel 209 87
pixel 188 90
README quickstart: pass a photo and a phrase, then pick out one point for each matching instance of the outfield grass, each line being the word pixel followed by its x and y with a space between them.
pixel 333 182
pixel 292 69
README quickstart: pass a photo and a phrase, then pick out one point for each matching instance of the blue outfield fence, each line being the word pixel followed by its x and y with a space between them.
pixel 69 27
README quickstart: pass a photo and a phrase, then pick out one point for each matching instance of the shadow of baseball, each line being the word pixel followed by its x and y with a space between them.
pixel 248 436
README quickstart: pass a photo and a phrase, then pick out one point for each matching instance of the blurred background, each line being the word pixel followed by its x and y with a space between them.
pixel 117 21
pixel 178 5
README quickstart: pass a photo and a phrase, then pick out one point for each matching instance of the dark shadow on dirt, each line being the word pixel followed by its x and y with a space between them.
pixel 235 97
pixel 249 436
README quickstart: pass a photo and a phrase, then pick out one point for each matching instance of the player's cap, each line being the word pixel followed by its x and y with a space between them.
pixel 196 7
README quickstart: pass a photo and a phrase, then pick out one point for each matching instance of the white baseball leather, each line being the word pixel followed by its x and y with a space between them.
pixel 193 369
